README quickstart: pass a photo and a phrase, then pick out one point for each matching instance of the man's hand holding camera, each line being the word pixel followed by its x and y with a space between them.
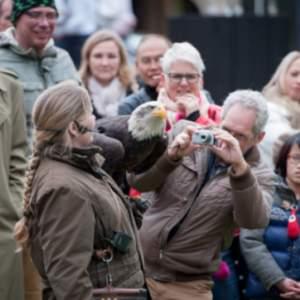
pixel 221 142
pixel 228 149
pixel 182 144
pixel 224 145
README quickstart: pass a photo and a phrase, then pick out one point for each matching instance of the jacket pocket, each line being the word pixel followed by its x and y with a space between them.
pixel 31 87
pixel 32 90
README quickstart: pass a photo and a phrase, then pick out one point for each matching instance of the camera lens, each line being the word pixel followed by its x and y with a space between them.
pixel 203 137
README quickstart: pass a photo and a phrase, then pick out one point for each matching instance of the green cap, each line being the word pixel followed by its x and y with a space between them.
pixel 20 6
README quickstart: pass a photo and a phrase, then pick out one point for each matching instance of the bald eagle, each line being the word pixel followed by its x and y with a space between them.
pixel 142 135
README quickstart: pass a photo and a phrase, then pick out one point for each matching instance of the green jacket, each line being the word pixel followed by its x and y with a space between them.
pixel 13 149
pixel 35 72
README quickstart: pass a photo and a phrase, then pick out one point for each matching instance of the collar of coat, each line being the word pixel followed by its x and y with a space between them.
pixel 3 84
pixel 7 38
pixel 89 159
pixel 252 156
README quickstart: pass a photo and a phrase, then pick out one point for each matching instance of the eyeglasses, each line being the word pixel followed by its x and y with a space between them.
pixel 240 137
pixel 294 158
pixel 36 15
pixel 177 77
pixel 82 129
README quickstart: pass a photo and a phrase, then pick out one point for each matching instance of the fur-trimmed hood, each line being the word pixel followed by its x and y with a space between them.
pixel 7 39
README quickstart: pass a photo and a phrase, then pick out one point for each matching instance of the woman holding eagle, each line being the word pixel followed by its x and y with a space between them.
pixel 182 87
pixel 74 213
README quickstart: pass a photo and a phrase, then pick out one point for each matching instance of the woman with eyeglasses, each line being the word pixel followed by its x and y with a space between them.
pixel 273 254
pixel 181 86
pixel 184 97
pixel 75 216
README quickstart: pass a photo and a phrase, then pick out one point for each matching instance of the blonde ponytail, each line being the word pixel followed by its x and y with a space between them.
pixel 21 227
pixel 53 111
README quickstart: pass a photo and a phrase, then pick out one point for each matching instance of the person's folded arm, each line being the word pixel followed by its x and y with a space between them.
pixel 259 259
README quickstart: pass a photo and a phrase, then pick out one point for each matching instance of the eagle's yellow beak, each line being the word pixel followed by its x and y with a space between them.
pixel 160 112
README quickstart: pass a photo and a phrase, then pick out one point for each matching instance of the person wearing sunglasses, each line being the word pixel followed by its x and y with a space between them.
pixel 74 213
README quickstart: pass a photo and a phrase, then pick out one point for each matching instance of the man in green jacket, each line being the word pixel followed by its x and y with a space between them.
pixel 28 50
pixel 13 152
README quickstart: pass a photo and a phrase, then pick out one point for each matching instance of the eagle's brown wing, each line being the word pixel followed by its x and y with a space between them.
pixel 112 150
pixel 158 147
pixel 138 155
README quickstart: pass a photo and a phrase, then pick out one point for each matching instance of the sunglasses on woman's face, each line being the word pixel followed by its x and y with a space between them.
pixel 82 129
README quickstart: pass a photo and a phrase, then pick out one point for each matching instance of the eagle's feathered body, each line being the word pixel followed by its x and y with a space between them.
pixel 141 134
pixel 136 152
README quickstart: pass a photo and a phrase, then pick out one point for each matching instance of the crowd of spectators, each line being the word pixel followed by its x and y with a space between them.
pixel 215 212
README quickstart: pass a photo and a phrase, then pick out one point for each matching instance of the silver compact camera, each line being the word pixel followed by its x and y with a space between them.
pixel 203 137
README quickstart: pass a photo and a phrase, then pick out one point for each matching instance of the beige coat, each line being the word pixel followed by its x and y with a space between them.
pixel 184 230
pixel 76 207
pixel 13 150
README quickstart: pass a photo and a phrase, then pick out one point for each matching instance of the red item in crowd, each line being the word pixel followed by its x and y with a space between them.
pixel 134 194
pixel 293 226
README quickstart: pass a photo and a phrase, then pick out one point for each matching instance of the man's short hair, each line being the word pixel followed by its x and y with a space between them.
pixel 150 36
pixel 252 100
pixel 185 52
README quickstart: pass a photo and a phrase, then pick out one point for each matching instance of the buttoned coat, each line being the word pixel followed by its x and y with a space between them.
pixel 13 149
pixel 191 216
pixel 75 214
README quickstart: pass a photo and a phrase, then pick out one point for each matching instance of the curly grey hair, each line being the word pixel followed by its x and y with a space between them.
pixel 182 51
pixel 252 100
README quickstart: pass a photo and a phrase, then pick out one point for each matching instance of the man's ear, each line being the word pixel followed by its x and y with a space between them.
pixel 260 137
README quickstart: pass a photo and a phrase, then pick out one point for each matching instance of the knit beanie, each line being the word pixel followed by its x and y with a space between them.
pixel 20 6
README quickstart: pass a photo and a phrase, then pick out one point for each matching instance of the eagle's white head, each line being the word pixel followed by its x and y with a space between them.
pixel 147 120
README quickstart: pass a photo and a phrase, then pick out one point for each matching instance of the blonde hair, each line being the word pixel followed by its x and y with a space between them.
pixel 124 73
pixel 53 111
pixel 275 89
pixel 276 84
